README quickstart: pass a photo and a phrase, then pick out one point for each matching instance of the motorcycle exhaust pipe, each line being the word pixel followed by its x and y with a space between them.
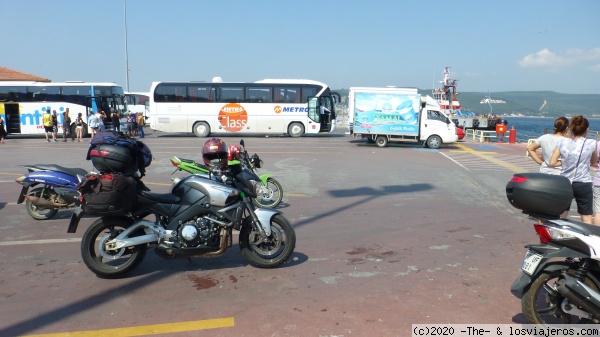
pixel 576 298
pixel 44 202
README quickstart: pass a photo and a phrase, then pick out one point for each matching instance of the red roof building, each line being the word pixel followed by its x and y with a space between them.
pixel 7 74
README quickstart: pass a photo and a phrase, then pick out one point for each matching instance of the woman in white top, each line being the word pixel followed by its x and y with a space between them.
pixel 577 154
pixel 548 143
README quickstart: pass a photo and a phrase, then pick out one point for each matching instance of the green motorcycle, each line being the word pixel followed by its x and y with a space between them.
pixel 270 193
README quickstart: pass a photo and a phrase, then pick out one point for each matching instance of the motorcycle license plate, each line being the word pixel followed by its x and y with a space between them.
pixel 531 262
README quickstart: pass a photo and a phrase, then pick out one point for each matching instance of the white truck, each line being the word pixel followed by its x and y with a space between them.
pixel 383 115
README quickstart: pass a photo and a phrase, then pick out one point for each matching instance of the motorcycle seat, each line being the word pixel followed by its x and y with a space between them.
pixel 191 161
pixel 68 170
pixel 163 198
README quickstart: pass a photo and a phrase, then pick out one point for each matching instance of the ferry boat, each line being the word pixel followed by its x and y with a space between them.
pixel 446 96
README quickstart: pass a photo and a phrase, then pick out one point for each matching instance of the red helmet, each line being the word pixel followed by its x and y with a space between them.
pixel 234 152
pixel 214 154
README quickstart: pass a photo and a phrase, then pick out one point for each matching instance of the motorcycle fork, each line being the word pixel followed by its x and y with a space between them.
pixel 255 221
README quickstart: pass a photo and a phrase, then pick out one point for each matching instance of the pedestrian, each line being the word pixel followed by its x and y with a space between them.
pixel 67 126
pixel 576 155
pixel 547 143
pixel 93 123
pixel 101 117
pixel 54 125
pixel 116 123
pixel 140 124
pixel 130 124
pixel 2 131
pixel 47 120
pixel 79 127
pixel 323 111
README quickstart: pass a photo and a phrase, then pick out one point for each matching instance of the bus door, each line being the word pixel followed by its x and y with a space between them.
pixel 313 113
pixel 12 119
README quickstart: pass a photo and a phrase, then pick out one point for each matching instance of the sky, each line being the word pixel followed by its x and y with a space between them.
pixel 490 46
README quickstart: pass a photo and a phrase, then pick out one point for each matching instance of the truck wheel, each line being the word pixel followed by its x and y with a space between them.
pixel 201 129
pixel 381 141
pixel 434 142
pixel 296 130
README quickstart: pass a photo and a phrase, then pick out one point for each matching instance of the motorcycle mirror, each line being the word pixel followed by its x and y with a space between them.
pixel 241 142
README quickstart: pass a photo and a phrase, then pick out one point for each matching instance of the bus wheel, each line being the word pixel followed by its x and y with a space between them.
pixel 84 131
pixel 381 141
pixel 201 129
pixel 296 130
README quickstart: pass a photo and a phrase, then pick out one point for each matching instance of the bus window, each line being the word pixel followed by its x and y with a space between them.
pixel 231 94
pixel 287 95
pixel 75 95
pixel 259 94
pixel 308 92
pixel 45 94
pixel 199 93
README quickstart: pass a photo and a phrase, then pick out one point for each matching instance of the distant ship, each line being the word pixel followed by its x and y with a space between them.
pixel 489 100
pixel 446 96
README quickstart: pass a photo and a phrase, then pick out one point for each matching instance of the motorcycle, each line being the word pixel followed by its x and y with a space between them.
pixel 195 219
pixel 48 188
pixel 270 193
pixel 559 281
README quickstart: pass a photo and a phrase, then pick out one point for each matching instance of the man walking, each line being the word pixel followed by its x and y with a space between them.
pixel 47 120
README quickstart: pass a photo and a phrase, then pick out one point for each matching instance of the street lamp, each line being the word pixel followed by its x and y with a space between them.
pixel 126 52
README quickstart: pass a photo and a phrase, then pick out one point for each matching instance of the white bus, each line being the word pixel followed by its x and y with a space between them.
pixel 137 102
pixel 262 107
pixel 23 103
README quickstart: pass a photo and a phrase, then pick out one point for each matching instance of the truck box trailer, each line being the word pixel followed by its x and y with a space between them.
pixel 383 115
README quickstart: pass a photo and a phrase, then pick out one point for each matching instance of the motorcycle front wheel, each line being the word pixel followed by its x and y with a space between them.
pixel 37 212
pixel 541 302
pixel 269 195
pixel 278 247
pixel 110 263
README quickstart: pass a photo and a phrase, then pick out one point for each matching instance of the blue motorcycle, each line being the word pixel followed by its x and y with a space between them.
pixel 48 188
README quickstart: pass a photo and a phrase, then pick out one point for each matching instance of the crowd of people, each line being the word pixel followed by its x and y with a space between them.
pixel 569 153
pixel 96 122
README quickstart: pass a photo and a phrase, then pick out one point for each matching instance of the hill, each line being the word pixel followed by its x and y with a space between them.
pixel 528 103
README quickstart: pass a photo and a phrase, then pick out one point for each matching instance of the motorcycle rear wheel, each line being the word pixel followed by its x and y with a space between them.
pixel 541 302
pixel 270 195
pixel 40 213
pixel 275 251
pixel 108 263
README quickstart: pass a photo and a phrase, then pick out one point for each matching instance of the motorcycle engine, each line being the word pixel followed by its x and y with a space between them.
pixel 199 232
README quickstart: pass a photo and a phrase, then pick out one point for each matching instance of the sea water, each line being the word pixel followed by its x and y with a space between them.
pixel 533 127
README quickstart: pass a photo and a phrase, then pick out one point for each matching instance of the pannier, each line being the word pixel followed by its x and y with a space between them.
pixel 107 194
pixel 540 193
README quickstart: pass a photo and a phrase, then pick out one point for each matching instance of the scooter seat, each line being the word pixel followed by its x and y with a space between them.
pixel 163 198
pixel 68 170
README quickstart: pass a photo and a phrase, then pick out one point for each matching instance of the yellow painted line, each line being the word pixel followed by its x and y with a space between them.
pixel 295 195
pixel 482 152
pixel 159 184
pixel 11 174
pixel 37 242
pixel 514 168
pixel 146 330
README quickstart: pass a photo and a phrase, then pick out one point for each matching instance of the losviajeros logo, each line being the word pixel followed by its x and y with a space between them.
pixel 233 117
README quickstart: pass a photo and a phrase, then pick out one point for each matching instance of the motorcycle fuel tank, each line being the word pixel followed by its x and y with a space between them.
pixel 219 194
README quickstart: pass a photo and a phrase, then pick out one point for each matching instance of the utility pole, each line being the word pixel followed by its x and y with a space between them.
pixel 126 52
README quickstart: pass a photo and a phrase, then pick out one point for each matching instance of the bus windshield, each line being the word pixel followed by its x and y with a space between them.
pixel 262 107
